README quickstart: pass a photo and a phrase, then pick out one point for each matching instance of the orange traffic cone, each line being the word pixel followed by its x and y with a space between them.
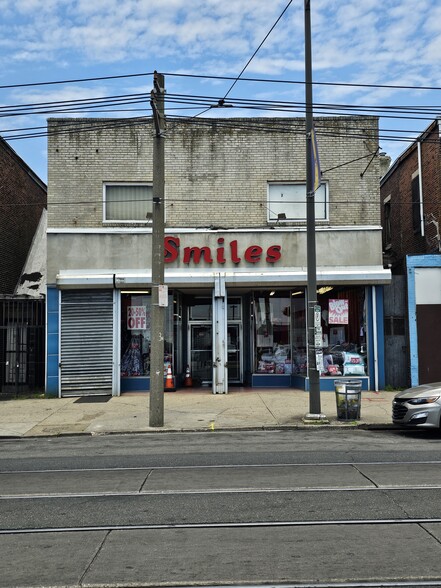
pixel 188 382
pixel 169 383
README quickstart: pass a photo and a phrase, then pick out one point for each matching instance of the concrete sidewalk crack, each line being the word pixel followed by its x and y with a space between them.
pixel 268 409
pixel 365 476
pixel 141 488
pixel 94 557
pixel 429 533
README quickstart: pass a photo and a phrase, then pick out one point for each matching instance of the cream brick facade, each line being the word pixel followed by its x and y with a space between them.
pixel 218 244
pixel 216 170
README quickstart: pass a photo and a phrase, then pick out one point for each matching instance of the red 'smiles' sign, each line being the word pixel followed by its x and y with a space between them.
pixel 252 254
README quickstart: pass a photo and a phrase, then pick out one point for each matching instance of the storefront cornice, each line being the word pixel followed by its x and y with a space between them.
pixel 284 277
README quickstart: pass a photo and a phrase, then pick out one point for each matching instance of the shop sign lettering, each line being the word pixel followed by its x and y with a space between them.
pixel 223 252
pixel 136 317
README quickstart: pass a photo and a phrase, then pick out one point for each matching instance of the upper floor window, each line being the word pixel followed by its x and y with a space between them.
pixel 287 202
pixel 416 203
pixel 387 227
pixel 128 203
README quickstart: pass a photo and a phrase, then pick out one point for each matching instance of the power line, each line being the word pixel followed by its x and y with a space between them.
pixel 237 123
pixel 225 78
pixel 221 101
pixel 40 108
pixel 202 201
pixel 315 83
pixel 258 48
pixel 74 81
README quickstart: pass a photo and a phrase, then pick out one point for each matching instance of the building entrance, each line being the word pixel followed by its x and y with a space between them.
pixel 213 352
pixel 201 352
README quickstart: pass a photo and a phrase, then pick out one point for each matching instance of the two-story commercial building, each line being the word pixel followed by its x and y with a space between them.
pixel 234 252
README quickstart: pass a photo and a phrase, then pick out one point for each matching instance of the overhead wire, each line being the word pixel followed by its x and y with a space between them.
pixel 253 55
pixel 256 123
pixel 220 78
pixel 329 109
pixel 195 100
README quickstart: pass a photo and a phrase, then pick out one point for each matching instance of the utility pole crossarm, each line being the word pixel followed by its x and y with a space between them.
pixel 157 103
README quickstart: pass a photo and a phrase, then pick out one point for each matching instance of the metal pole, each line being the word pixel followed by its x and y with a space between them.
pixel 314 376
pixel 156 407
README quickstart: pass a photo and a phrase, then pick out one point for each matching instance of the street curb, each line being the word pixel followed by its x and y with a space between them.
pixel 222 429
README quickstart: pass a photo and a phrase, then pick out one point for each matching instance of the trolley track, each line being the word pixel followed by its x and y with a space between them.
pixel 369 523
pixel 247 525
pixel 239 496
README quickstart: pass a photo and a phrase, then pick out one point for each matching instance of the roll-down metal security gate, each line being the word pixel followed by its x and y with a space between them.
pixel 86 366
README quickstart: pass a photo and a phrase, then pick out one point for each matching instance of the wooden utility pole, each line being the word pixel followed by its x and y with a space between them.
pixel 313 373
pixel 159 291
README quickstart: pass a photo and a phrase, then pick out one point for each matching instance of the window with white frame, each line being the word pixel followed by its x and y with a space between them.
pixel 128 202
pixel 287 202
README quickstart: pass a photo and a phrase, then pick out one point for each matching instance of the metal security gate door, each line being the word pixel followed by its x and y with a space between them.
pixel 429 352
pixel 22 331
pixel 86 353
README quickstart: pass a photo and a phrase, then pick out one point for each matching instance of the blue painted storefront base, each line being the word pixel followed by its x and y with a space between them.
pixel 302 382
pixel 328 384
pixel 258 381
pixel 270 381
pixel 135 384
pixel 138 384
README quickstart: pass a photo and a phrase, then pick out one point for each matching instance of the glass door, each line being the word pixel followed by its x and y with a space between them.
pixel 200 341
pixel 201 352
pixel 234 354
pixel 234 340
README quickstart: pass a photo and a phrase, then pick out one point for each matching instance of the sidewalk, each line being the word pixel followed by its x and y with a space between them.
pixel 183 411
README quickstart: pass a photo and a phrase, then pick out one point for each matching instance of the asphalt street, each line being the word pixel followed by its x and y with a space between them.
pixel 304 507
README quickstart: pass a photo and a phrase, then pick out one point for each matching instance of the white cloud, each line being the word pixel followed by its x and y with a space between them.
pixel 366 42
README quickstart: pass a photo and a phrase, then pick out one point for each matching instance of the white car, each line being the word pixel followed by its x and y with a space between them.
pixel 418 407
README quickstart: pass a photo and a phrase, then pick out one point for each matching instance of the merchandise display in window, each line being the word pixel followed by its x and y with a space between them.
pixel 343 331
pixel 272 333
pixel 132 362
pixel 136 335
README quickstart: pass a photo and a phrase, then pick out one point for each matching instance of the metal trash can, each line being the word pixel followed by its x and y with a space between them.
pixel 348 398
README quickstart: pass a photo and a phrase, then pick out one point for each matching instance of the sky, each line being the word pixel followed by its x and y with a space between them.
pixel 381 57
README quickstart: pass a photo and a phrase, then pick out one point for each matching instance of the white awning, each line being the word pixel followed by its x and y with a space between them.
pixel 367 275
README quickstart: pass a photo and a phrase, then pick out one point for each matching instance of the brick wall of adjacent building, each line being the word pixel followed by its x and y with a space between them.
pixel 216 170
pixel 397 184
pixel 22 199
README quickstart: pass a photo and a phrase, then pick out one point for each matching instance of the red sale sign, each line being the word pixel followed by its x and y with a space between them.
pixel 338 312
pixel 136 317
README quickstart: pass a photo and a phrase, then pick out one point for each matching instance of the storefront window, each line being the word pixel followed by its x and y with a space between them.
pixel 272 333
pixel 136 334
pixel 281 332
pixel 343 322
pixel 298 332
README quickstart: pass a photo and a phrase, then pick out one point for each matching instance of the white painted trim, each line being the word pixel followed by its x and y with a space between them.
pixel 283 277
pixel 420 183
pixel 116 384
pixel 375 335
